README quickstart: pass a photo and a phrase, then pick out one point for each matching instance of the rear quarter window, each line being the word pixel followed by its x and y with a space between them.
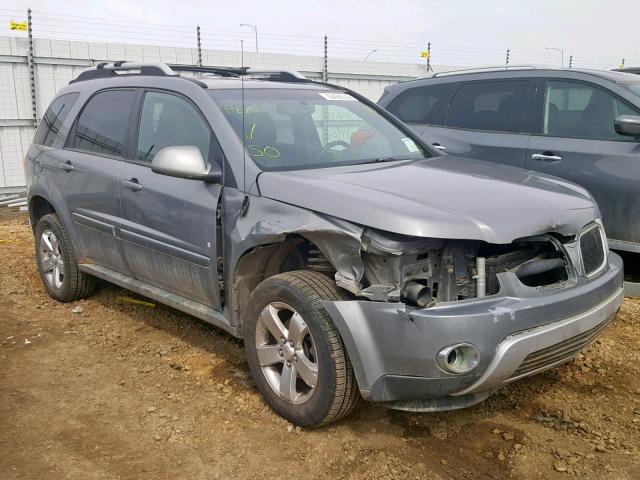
pixel 49 132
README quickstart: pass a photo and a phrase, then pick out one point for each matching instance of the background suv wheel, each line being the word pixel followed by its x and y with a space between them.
pixel 295 352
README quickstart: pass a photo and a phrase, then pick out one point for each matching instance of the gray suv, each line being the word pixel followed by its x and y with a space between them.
pixel 581 125
pixel 352 258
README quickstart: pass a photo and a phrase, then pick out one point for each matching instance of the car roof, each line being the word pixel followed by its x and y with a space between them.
pixel 519 71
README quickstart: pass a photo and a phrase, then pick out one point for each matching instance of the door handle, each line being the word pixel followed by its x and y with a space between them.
pixel 66 166
pixel 546 157
pixel 437 146
pixel 132 184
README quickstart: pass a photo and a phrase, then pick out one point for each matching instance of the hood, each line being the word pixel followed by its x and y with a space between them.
pixel 443 197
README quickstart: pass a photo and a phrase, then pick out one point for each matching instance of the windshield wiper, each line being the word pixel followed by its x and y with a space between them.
pixel 381 159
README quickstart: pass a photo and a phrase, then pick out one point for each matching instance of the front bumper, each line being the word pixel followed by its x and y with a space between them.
pixel 519 332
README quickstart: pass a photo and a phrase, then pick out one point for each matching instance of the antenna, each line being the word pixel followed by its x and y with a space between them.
pixel 244 149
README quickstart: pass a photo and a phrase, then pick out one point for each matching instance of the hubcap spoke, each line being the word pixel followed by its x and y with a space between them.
pixel 297 329
pixel 268 355
pixel 56 275
pixel 288 383
pixel 47 264
pixel 269 317
pixel 306 369
pixel 54 244
pixel 47 243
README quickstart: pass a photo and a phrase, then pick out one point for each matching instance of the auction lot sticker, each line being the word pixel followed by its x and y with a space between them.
pixel 337 96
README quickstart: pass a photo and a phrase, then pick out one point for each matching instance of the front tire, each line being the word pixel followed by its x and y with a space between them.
pixel 57 263
pixel 295 352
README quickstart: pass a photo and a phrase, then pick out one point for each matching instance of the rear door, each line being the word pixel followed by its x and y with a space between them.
pixel 169 228
pixel 87 172
pixel 578 142
pixel 486 120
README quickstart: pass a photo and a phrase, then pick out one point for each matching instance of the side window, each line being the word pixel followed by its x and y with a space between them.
pixel 170 121
pixel 494 106
pixel 423 105
pixel 579 110
pixel 49 129
pixel 103 125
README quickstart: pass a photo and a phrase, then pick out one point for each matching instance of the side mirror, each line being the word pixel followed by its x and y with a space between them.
pixel 628 125
pixel 185 162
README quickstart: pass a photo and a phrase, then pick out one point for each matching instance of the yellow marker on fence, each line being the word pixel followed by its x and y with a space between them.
pixel 22 26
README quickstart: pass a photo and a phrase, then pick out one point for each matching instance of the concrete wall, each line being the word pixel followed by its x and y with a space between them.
pixel 58 61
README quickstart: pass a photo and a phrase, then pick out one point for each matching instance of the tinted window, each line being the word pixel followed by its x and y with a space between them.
pixel 581 111
pixel 167 121
pixel 49 129
pixel 495 106
pixel 104 123
pixel 425 105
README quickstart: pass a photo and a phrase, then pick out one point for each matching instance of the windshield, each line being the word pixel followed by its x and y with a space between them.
pixel 633 86
pixel 296 129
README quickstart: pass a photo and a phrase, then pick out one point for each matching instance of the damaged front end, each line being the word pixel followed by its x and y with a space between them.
pixel 423 272
pixel 438 324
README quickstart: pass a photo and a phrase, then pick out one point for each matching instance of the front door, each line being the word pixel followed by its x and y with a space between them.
pixel 168 233
pixel 578 142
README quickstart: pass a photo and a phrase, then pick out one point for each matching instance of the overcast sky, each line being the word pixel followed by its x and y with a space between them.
pixel 598 30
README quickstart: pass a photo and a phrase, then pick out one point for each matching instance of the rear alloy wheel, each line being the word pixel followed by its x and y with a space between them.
pixel 51 259
pixel 57 263
pixel 295 352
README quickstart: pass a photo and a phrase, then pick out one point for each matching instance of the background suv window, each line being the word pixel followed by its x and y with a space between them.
pixel 495 106
pixel 422 105
pixel 170 121
pixel 49 129
pixel 579 110
pixel 104 123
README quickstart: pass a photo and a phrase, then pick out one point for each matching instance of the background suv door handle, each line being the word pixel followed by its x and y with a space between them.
pixel 132 184
pixel 66 166
pixel 546 157
pixel 439 147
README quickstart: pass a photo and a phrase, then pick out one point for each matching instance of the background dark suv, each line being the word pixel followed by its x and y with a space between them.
pixel 581 125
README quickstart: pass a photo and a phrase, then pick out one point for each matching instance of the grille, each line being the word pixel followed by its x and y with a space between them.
pixel 558 353
pixel 592 250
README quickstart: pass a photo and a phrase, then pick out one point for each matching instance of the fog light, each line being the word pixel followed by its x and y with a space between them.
pixel 460 358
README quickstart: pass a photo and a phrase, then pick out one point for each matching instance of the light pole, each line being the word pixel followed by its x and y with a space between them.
pixel 369 54
pixel 561 50
pixel 255 30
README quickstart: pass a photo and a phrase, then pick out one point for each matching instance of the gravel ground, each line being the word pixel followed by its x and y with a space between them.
pixel 106 389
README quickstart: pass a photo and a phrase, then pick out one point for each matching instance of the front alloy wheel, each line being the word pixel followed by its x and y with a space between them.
pixel 286 352
pixel 294 349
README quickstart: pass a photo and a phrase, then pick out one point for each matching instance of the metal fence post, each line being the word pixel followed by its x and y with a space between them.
pixel 32 70
pixel 622 64
pixel 325 68
pixel 506 62
pixel 429 57
pixel 199 46
pixel 571 61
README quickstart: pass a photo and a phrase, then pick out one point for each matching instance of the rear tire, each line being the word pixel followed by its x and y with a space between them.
pixel 57 263
pixel 283 368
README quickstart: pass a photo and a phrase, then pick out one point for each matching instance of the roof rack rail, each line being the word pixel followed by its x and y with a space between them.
pixel 110 70
pixel 483 69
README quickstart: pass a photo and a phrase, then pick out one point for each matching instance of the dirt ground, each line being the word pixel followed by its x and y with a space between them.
pixel 126 391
